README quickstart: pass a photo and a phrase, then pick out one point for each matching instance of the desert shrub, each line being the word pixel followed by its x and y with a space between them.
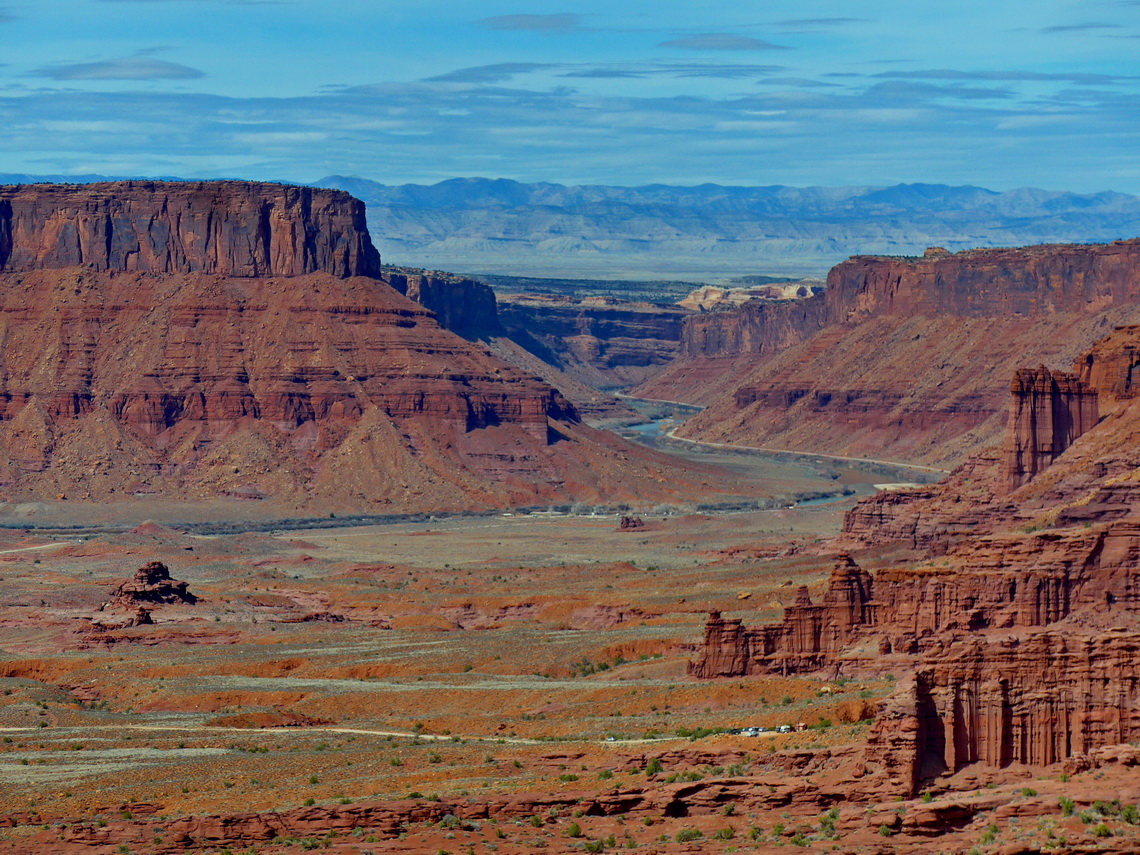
pixel 686 834
pixel 1068 806
pixel 573 830
pixel 726 833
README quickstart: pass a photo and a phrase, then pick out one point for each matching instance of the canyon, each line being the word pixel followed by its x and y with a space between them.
pixel 900 358
pixel 674 657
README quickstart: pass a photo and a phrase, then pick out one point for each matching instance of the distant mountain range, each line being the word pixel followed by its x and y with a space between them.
pixel 704 233
pixel 707 232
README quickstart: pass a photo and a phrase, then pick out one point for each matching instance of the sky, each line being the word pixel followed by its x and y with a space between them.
pixel 996 93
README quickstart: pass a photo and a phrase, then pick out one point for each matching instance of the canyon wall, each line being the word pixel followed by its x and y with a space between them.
pixel 1048 411
pixel 208 341
pixel 999 582
pixel 1033 701
pixel 604 343
pixel 461 305
pixel 226 227
pixel 1111 365
pixel 901 358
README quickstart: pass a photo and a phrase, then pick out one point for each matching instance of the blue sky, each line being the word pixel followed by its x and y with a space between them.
pixel 811 92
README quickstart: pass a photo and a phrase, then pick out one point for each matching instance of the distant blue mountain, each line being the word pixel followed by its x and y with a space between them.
pixel 712 231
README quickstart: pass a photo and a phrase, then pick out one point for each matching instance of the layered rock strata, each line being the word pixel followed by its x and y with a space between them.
pixel 212 341
pixel 605 343
pixel 995 703
pixel 232 228
pixel 461 305
pixel 1000 582
pixel 900 358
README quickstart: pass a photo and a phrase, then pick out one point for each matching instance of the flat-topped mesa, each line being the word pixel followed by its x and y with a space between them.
pixel 233 228
pixel 1048 411
pixel 1024 281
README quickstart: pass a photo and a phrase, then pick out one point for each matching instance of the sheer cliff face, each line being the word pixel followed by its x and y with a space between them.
pixel 901 358
pixel 1049 410
pixel 224 227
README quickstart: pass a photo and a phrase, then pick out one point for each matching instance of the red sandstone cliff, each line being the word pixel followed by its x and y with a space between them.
pixel 899 358
pixel 604 343
pixel 227 227
pixel 461 305
pixel 1048 411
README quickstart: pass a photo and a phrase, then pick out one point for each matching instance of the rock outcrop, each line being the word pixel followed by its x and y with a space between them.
pixel 1111 365
pixel 1048 410
pixel 1034 702
pixel 152 585
pixel 461 305
pixel 231 228
pixel 1000 582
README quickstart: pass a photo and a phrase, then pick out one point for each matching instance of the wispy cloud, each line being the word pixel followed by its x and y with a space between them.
pixel 797 82
pixel 541 23
pixel 721 41
pixel 820 22
pixel 953 74
pixel 1081 27
pixel 490 73
pixel 128 68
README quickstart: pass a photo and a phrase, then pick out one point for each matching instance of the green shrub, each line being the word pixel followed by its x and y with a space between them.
pixel 573 830
pixel 726 833
pixel 1102 830
pixel 1068 806
pixel 686 834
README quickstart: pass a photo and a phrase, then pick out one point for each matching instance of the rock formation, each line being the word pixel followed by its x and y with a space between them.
pixel 232 228
pixel 461 305
pixel 603 342
pixel 1033 702
pixel 152 585
pixel 1048 410
pixel 192 354
pixel 900 358
pixel 1111 365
